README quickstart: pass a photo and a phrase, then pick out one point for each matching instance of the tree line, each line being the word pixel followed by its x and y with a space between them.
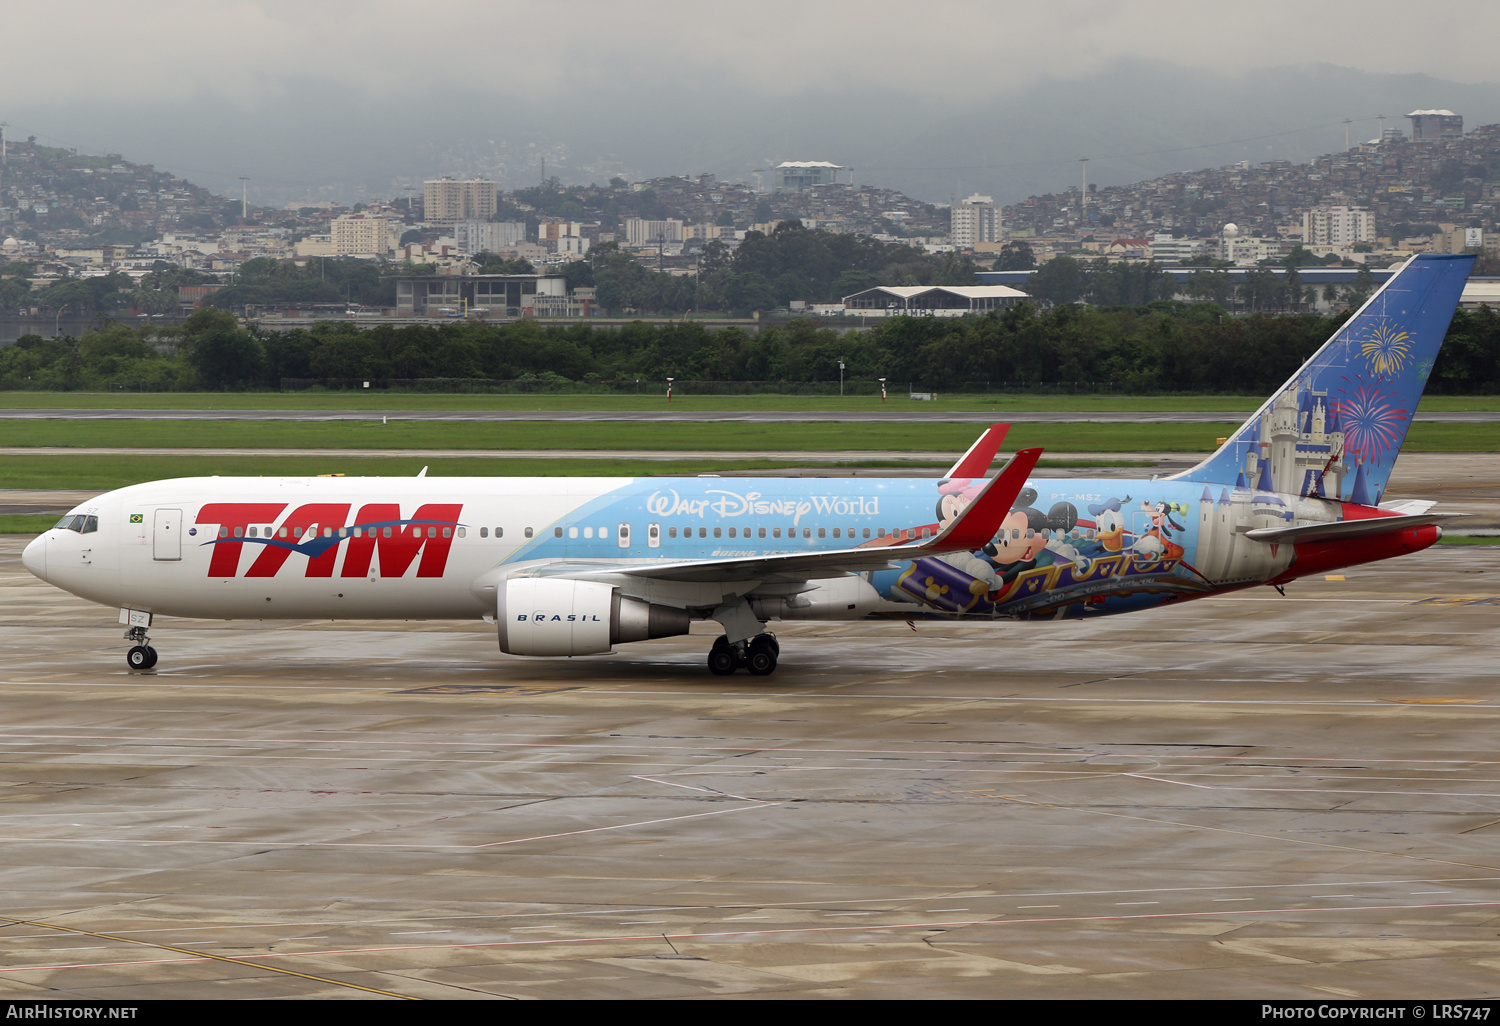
pixel 1160 347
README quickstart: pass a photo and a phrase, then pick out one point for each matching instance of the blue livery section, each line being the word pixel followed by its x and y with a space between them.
pixel 1069 547
pixel 1335 429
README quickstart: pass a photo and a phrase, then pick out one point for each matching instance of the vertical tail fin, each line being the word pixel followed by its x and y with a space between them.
pixel 1335 429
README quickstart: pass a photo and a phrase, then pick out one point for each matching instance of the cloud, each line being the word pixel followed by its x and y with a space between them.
pixel 244 51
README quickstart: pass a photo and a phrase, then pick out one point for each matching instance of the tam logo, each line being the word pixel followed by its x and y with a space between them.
pixel 317 530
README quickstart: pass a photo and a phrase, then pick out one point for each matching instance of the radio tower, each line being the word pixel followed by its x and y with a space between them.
pixel 1083 162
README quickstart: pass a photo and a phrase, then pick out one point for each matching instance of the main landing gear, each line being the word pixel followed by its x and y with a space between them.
pixel 141 655
pixel 758 655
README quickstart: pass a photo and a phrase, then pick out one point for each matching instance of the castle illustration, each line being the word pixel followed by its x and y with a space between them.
pixel 1300 440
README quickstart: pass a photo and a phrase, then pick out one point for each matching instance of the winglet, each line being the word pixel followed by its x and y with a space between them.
pixel 978 523
pixel 976 462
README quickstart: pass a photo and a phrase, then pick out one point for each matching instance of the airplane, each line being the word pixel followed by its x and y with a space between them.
pixel 577 566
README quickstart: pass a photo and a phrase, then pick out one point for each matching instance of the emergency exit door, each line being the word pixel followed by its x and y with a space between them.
pixel 167 534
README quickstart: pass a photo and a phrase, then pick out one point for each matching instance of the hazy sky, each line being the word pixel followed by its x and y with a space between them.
pixel 172 81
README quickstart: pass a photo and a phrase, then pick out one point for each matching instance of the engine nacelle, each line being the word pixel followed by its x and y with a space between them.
pixel 551 616
pixel 835 598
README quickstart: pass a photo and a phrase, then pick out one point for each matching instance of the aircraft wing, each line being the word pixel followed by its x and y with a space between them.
pixel 1348 528
pixel 973 528
pixel 976 462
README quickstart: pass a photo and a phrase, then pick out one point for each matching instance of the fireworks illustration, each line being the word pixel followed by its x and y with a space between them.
pixel 1386 347
pixel 1372 424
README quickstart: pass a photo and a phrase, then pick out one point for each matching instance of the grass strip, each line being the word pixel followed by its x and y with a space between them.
pixel 898 402
pixel 107 472
pixel 26 523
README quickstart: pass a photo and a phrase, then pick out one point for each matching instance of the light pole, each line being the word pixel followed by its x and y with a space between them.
pixel 841 379
pixel 882 389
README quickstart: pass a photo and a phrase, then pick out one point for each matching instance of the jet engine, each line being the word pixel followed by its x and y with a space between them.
pixel 556 616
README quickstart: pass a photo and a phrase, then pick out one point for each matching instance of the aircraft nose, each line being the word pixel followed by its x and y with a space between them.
pixel 34 557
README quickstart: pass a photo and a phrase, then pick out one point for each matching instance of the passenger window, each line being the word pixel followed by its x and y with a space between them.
pixel 761 532
pixel 867 532
pixel 836 532
pixel 528 532
pixel 385 532
pixel 671 532
pixel 717 532
pixel 588 532
pixel 881 532
pixel 253 534
pixel 822 533
pixel 572 532
pixel 500 532
pixel 807 532
pixel 775 532
pixel 484 532
pixel 557 532
pixel 702 532
pixel 448 532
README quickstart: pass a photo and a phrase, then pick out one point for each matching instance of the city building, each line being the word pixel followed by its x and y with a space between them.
pixel 447 201
pixel 474 236
pixel 499 295
pixel 795 175
pixel 1432 125
pixel 640 232
pixel 931 300
pixel 975 220
pixel 1166 249
pixel 360 235
pixel 1338 226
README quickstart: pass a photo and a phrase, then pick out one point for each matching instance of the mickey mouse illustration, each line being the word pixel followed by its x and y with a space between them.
pixel 1026 532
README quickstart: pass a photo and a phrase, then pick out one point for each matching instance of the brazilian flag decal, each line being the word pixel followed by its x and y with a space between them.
pixel 137 518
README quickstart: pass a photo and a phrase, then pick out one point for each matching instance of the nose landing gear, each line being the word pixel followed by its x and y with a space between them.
pixel 141 655
pixel 758 655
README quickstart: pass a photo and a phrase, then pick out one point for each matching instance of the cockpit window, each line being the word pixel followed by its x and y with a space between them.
pixel 77 522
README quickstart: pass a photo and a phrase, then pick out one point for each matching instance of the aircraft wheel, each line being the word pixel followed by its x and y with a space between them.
pixel 151 657
pixel 721 660
pixel 760 660
pixel 139 658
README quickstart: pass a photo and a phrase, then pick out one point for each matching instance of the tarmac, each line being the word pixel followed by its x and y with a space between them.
pixel 1250 796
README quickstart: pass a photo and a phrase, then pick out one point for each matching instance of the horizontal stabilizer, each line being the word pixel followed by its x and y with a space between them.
pixel 1348 528
pixel 1409 507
